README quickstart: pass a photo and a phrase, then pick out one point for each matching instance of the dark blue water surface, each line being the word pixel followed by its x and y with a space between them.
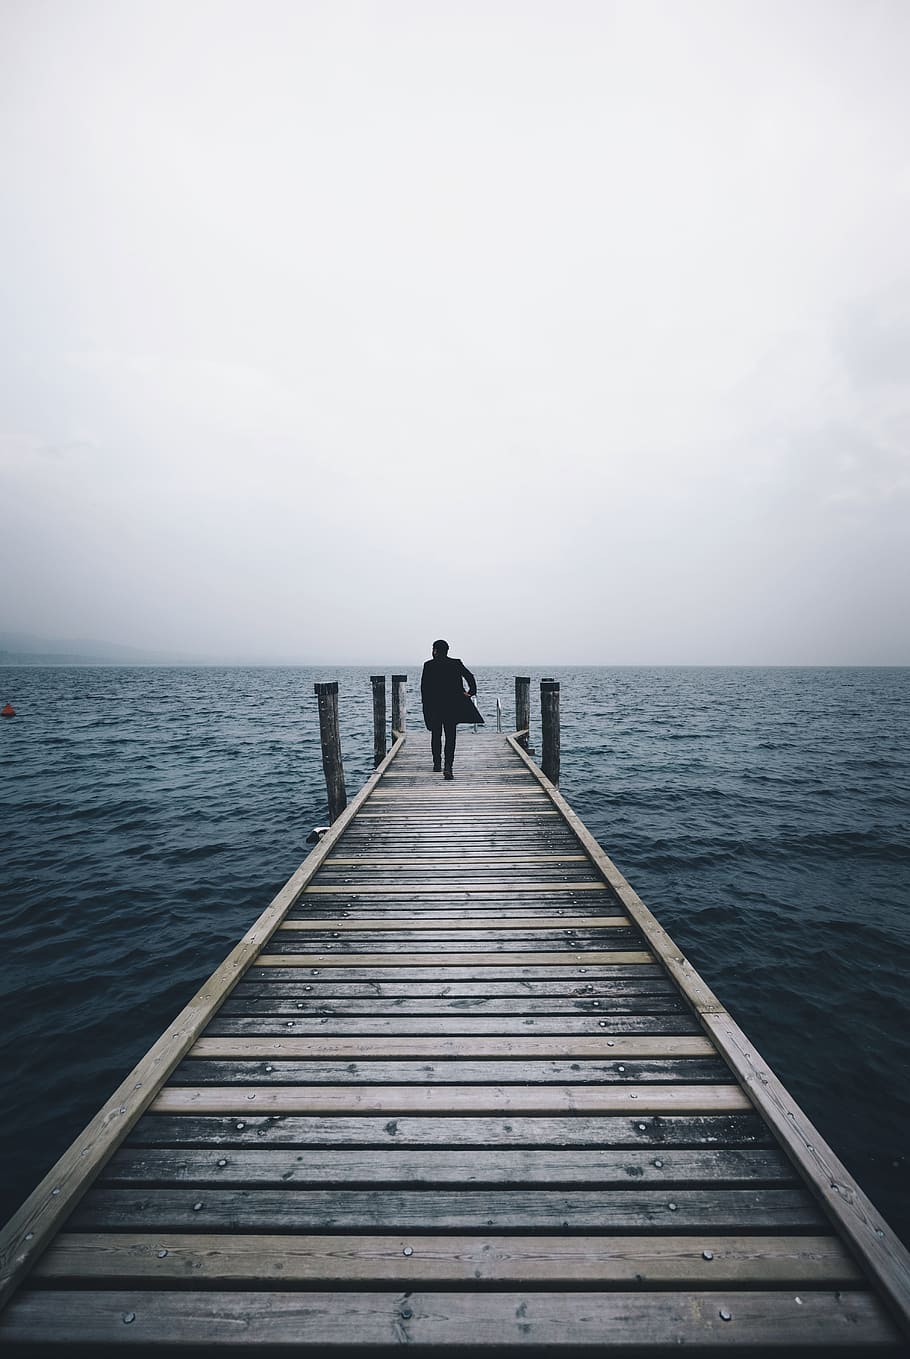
pixel 149 815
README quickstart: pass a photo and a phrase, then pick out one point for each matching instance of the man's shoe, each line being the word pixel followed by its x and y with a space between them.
pixel 447 773
pixel 437 767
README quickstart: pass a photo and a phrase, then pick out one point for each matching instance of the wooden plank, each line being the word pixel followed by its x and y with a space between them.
pixel 481 819
pixel 459 797
pixel 348 926
pixel 614 986
pixel 318 1167
pixel 614 958
pixel 312 1321
pixel 441 946
pixel 289 1005
pixel 573 1130
pixel 458 1099
pixel 479 909
pixel 447 924
pixel 454 1024
pixel 27 1232
pixel 285 968
pixel 418 934
pixel 447 1071
pixel 427 780
pixel 192 1208
pixel 456 859
pixel 436 888
pixel 444 1046
pixel 707 1260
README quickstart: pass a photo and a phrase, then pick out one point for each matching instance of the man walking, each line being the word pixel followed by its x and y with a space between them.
pixel 445 703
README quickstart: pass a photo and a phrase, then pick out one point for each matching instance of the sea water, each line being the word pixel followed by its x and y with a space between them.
pixel 148 815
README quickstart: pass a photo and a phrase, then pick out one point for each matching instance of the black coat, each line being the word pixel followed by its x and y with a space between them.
pixel 443 695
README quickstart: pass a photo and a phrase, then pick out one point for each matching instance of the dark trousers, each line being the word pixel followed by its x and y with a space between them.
pixel 436 741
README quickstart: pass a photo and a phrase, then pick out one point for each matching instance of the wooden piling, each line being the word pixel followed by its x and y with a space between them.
pixel 399 704
pixel 327 696
pixel 379 743
pixel 523 708
pixel 549 720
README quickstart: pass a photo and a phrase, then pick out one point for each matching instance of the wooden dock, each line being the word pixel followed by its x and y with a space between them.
pixel 455 1088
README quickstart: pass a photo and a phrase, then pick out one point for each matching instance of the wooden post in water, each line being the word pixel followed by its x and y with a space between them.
pixel 399 704
pixel 327 696
pixel 378 683
pixel 549 721
pixel 523 708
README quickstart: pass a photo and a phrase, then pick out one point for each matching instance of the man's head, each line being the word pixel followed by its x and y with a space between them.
pixel 440 649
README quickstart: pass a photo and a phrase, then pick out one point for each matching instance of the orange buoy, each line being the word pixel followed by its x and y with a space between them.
pixel 8 711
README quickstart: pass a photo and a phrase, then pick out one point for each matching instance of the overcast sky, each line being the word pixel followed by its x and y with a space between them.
pixel 569 331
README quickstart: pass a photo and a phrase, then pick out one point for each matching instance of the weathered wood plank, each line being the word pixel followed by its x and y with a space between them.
pixel 441 1209
pixel 424 915
pixel 592 958
pixel 440 947
pixel 446 1071
pixel 574 1130
pixel 318 1167
pixel 460 1070
pixel 614 986
pixel 291 1004
pixel 640 1046
pixel 429 889
pixel 457 926
pixel 455 859
pixel 706 1260
pixel 452 1025
pixel 314 1320
pixel 458 1099
pixel 284 969
pixel 480 818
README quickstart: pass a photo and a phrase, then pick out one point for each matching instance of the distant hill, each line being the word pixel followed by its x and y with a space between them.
pixel 19 648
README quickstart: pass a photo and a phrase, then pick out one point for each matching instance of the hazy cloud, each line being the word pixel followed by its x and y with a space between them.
pixel 576 332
